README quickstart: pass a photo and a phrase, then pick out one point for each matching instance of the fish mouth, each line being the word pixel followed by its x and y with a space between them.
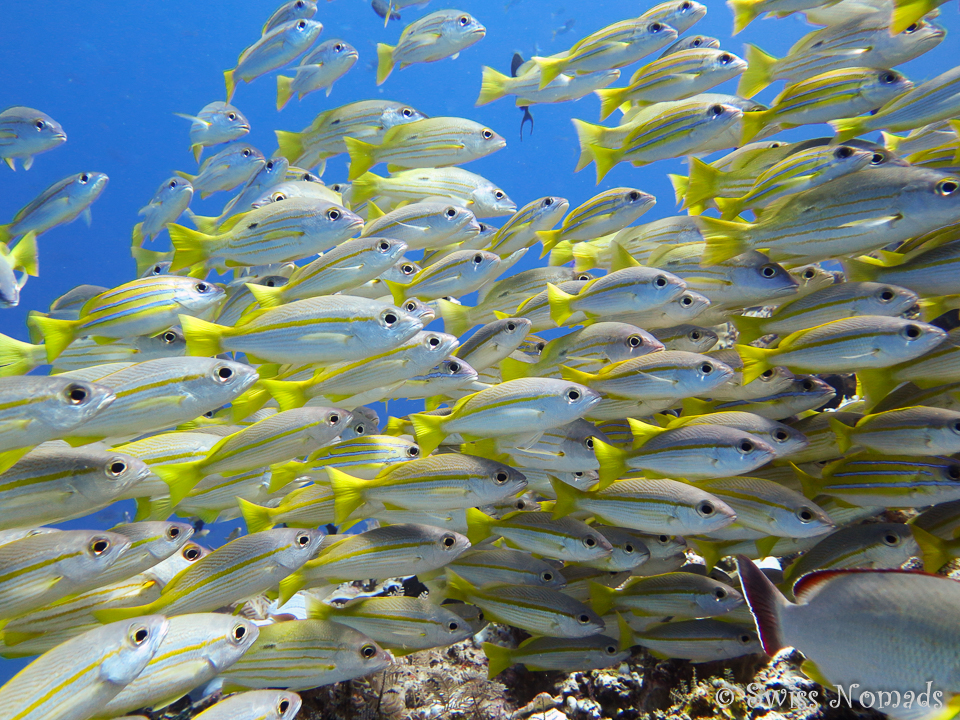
pixel 61 136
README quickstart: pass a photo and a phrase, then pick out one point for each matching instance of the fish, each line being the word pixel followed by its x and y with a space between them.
pixel 474 192
pixel 679 594
pixel 679 14
pixel 146 306
pixel 692 41
pixel 22 257
pixel 914 431
pixel 25 132
pixel 228 169
pixel 433 37
pixel 318 70
pixel 702 640
pixel 75 679
pixel 562 539
pixel 877 546
pixel 256 704
pixel 304 654
pixel 526 87
pixel 494 566
pixel 274 49
pixel 168 203
pixel 688 338
pixel 424 225
pixel 217 122
pixel 561 654
pixel 293 10
pixel 785 440
pixel 61 203
pixel 363 456
pixel 607 212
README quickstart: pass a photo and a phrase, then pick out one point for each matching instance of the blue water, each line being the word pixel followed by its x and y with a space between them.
pixel 113 73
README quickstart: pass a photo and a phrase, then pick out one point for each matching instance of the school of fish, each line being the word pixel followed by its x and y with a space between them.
pixel 773 375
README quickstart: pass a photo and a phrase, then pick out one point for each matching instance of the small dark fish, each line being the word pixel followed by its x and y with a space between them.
pixel 514 66
pixel 563 29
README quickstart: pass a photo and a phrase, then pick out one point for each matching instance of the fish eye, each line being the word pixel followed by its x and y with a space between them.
pixel 697 42
pixel 283 706
pixel 780 435
pixel 239 632
pixel 40 124
pixel 333 418
pixel 116 468
pixel 634 341
pixel 368 651
pixel 245 152
pixel 450 212
pixel 955 426
pixel 695 334
pixel 660 281
pixel 573 394
pixel 84 179
pixel 610 650
pixel 464 20
pixel 843 152
pixel 501 477
pixel 719 593
pixel 583 618
pixel 333 214
pixel 413 451
pixel 766 374
pixel 546 576
pixel 706 368
pixel 433 341
pixel 656 27
pixel 888 77
pixel 511 326
pixel 99 546
pixel 173 184
pixel 383 246
pixel 716 110
pixel 589 541
pixel 805 515
pixel 453 626
pixel 886 295
pixel 685 6
pixel 224 373
pixel 454 367
pixel 76 394
pixel 745 446
pixel 664 539
pixel 359 429
pixel 231 116
pixel 686 301
pixel 407 112
pixel 410 307
pixel 946 188
pixel 407 269
pixel 877 159
pixel 744 639
pixel 808 274
pixel 173 532
pixel 191 553
pixel 448 541
pixel 547 202
pixel 589 443
pixel 301 24
pixel 705 509
pixel 157 270
pixel 912 29
pixel 499 195
pixel 139 635
pixel 520 504
pixel 953 472
pixel 477 259
pixel 578 474
pixel 634 195
pixel 541 346
pixel 725 59
pixel 203 287
pixel 486 134
pixel 807 385
pixel 891 539
pixel 338 47
pixel 768 271
pixel 389 318
pixel 911 332
pixel 303 540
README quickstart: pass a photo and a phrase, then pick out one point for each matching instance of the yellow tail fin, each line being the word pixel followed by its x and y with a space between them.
pixel 365 187
pixel 753 123
pixel 602 598
pixel 190 246
pixel 550 68
pixel 610 100
pixel 493 86
pixel 429 431
pixel 203 338
pixel 384 62
pixel 587 134
pixel 362 157
pixel 725 239
pixel 560 309
pixel 284 92
pixel 749 327
pixel 290 144
pixel 613 462
pixel 19 358
pixel 744 13
pixel 756 361
pixel 845 128
pixel 759 72
pixel 57 334
pixel 24 254
pixel 456 318
pixel 347 494
pixel 567 497
pixel 498 659
pixel 267 297
pixel 288 394
pixel 255 516
pixel 181 478
pixel 231 83
pixel 933 549
pixel 843 432
pixel 702 183
pixel 479 525
pixel 606 159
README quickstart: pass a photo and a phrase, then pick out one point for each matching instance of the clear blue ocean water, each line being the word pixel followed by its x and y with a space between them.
pixel 114 73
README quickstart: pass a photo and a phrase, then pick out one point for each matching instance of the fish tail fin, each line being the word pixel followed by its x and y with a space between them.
pixel 231 82
pixel 725 239
pixel 550 68
pixel 283 474
pixel 710 550
pixel 18 357
pixel 744 13
pixel 610 100
pixel 759 72
pixel 248 403
pixel 499 659
pixel 753 123
pixel 190 247
pixel 364 188
pixel 429 431
pixel 605 158
pixel 620 259
pixel 749 328
pixel 197 150
pixel 180 478
pixel 729 208
pixel 204 339
pixel 206 225
pixel 560 309
pixel 493 86
pixel 561 254
pixel 348 494
pixel 586 256
pixel 290 144
pixel 362 157
pixel 255 516
pixel 843 432
pixel 6 233
pixel 578 376
pixel 397 290
pixel 290 586
pixel 756 361
pixel 860 271
pixel 109 615
pixel 587 134
pixel 602 598
pixel 847 128
pixel 933 549
pixel 384 62
pixel 137 236
pixel 24 255
pixel 511 369
pixel 549 238
pixel 57 334
pixel 681 184
pixel 479 525
pixel 567 497
pixel 456 318
pixel 810 484
pixel 288 394
pixel 459 588
pixel 317 609
pixel 613 462
pixel 145 258
pixel 284 91
pixel 873 384
pixel 765 601
pixel 266 297
pixel 702 183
